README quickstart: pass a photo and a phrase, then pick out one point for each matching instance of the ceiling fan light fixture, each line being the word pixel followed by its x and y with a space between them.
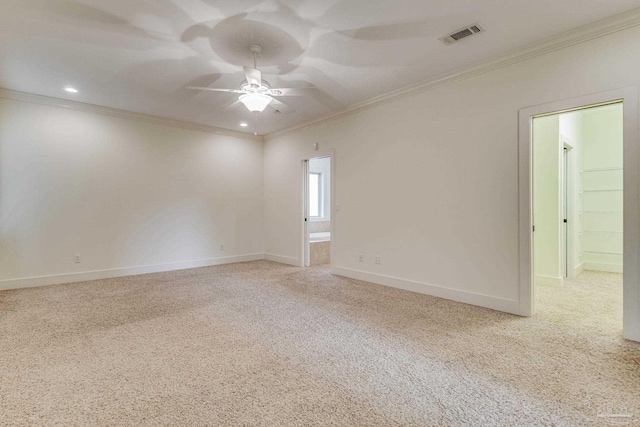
pixel 255 102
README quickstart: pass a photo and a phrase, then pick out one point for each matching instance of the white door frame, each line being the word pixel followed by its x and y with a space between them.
pixel 631 207
pixel 567 208
pixel 306 253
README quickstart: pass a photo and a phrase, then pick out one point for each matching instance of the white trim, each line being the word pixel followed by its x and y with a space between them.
pixel 123 114
pixel 548 281
pixel 579 35
pixel 495 303
pixel 319 219
pixel 282 259
pixel 578 269
pixel 601 266
pixel 306 247
pixel 30 282
pixel 567 209
pixel 631 217
pixel 320 216
pixel 631 257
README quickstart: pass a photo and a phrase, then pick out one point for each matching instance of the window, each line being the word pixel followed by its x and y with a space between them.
pixel 315 195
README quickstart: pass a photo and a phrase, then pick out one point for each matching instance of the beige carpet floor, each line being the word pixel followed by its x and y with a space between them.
pixel 267 344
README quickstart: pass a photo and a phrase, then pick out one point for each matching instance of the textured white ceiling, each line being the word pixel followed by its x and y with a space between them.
pixel 139 55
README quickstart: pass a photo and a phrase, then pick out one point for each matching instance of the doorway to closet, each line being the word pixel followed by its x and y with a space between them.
pixel 317 202
pixel 578 233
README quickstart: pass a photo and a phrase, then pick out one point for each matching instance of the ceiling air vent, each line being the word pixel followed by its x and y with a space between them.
pixel 462 34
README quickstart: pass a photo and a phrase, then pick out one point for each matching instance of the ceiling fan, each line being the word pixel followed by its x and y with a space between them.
pixel 255 93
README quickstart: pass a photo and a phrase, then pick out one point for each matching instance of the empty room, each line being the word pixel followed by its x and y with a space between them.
pixel 342 212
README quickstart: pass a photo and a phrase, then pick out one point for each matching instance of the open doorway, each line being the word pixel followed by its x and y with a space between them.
pixel 317 233
pixel 627 98
pixel 578 195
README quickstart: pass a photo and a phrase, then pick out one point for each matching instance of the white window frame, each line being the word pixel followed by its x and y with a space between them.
pixel 320 196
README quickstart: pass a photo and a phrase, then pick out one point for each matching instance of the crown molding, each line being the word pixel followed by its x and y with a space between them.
pixel 564 40
pixel 123 114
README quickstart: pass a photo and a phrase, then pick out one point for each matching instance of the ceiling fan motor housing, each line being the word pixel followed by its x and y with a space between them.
pixel 255 49
pixel 248 87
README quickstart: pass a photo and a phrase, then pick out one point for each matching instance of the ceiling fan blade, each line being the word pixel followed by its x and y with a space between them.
pixel 212 89
pixel 281 107
pixel 232 105
pixel 293 91
pixel 254 76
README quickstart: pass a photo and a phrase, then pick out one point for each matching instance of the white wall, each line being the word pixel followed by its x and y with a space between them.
pixel 436 175
pixel 124 194
pixel 602 184
pixel 323 167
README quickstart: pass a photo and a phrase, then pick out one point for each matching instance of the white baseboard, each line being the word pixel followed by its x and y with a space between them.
pixel 282 259
pixel 495 303
pixel 548 281
pixel 30 282
pixel 578 269
pixel 632 334
pixel 600 266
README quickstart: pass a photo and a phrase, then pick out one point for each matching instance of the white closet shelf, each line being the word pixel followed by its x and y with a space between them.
pixel 600 169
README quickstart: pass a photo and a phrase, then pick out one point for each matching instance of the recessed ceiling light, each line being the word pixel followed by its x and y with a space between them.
pixel 71 89
pixel 244 125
